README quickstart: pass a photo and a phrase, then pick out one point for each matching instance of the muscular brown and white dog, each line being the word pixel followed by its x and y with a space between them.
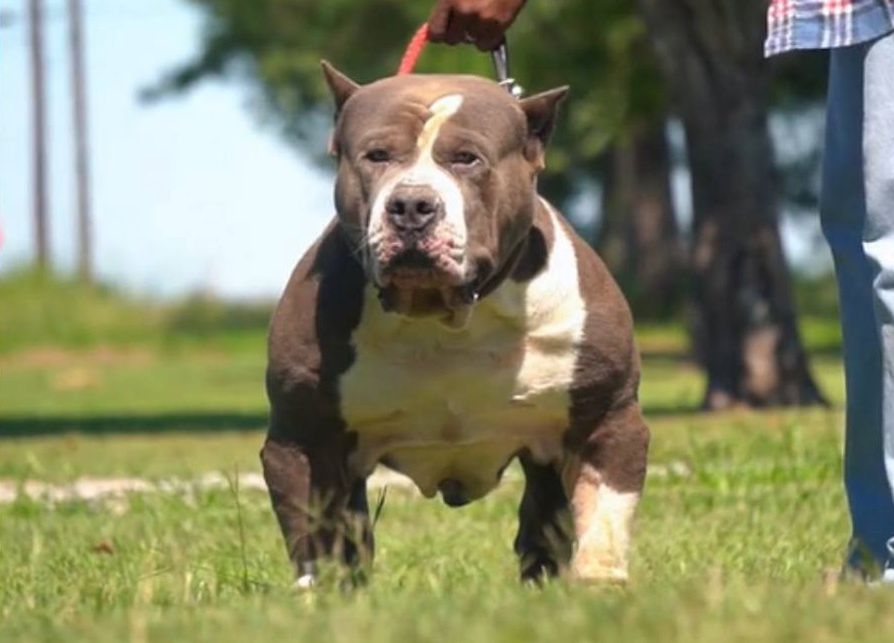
pixel 447 322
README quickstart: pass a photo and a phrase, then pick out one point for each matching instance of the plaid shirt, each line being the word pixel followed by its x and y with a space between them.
pixel 823 24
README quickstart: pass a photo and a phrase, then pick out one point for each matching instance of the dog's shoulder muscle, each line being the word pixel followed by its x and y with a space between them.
pixel 607 365
pixel 310 334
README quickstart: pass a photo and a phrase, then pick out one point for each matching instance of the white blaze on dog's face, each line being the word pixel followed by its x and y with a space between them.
pixel 445 242
pixel 436 184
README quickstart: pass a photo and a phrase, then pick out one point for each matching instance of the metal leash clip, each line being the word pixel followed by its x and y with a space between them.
pixel 500 56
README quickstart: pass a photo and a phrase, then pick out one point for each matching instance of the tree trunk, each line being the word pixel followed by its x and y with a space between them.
pixel 746 334
pixel 639 239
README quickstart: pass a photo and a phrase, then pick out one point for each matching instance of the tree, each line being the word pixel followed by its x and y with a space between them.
pixel 639 238
pixel 710 52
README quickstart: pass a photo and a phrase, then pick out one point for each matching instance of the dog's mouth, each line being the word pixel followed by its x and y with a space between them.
pixel 414 284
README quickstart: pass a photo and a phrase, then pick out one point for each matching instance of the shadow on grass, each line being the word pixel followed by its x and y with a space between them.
pixel 831 349
pixel 24 426
pixel 32 426
pixel 666 410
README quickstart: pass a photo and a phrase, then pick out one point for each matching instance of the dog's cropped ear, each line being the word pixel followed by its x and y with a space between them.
pixel 341 87
pixel 540 111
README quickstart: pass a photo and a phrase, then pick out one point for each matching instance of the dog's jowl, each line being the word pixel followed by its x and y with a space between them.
pixel 447 322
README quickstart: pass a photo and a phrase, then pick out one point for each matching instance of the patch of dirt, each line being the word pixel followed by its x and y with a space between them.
pixel 75 379
pixel 111 491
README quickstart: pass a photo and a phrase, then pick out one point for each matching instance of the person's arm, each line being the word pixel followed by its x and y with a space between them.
pixel 480 22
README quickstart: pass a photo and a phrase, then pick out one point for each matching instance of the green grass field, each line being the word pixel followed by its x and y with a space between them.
pixel 739 536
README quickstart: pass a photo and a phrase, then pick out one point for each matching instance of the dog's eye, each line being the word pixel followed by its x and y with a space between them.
pixel 378 155
pixel 464 159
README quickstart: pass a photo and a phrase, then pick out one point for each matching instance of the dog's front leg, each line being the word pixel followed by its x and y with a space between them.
pixel 323 513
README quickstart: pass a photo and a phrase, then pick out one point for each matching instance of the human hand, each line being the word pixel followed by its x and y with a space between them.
pixel 480 22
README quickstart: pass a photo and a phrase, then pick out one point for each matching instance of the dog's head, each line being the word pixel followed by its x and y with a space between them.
pixel 436 183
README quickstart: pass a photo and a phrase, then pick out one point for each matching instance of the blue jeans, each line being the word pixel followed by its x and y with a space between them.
pixel 858 221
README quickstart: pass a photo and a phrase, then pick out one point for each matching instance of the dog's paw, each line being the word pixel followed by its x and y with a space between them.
pixel 590 569
pixel 305 582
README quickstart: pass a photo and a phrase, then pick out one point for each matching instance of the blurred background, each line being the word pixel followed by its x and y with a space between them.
pixel 163 167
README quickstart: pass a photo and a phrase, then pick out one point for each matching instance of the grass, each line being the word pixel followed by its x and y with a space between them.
pixel 741 524
pixel 739 535
pixel 39 309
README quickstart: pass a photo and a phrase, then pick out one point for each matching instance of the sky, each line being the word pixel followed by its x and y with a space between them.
pixel 189 194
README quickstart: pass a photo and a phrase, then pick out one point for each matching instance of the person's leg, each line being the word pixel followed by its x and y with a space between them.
pixel 878 243
pixel 844 215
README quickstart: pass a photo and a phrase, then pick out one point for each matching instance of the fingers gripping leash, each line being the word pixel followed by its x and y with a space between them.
pixel 500 57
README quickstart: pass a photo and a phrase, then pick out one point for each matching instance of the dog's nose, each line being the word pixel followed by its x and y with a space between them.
pixel 413 208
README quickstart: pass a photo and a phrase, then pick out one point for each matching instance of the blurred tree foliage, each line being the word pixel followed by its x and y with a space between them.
pixel 745 321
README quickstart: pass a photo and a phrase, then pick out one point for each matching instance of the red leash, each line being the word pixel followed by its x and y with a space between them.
pixel 413 51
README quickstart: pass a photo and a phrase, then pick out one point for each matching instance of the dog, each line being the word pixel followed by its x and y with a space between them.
pixel 447 322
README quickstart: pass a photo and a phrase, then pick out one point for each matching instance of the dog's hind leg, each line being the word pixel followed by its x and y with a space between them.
pixel 545 532
pixel 359 544
pixel 604 477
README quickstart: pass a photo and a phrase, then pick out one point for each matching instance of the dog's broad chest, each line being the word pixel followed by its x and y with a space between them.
pixel 441 404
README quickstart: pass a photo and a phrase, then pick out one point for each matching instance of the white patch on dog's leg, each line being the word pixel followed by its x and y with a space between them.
pixel 308 578
pixel 305 582
pixel 603 522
